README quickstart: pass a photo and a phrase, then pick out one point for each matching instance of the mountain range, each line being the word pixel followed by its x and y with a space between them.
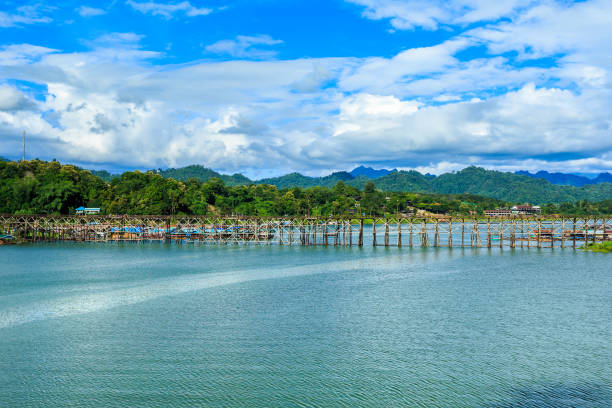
pixel 370 172
pixel 520 188
pixel 568 179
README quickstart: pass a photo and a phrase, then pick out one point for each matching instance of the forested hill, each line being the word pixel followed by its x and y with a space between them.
pixel 513 187
pixel 203 174
pixel 474 180
pixel 298 180
pixel 508 187
pixel 38 187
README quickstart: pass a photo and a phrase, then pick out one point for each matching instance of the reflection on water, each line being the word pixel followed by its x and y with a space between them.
pixel 559 396
pixel 180 326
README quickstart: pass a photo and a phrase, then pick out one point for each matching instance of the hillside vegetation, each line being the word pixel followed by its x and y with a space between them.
pixel 203 174
pixel 38 187
pixel 472 180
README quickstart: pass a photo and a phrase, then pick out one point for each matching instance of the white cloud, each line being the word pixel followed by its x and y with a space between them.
pixel 544 122
pixel 85 11
pixel 25 15
pixel 423 108
pixel 18 54
pixel 430 14
pixel 245 46
pixel 169 10
pixel 382 74
pixel 12 99
pixel 581 29
pixel 241 115
pixel 365 114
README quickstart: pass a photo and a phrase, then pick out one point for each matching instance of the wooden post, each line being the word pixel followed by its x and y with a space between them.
pixel 436 235
pixel 410 234
pixel 424 234
pixel 462 232
pixel 374 232
pixel 552 233
pixel 563 233
pixel 399 232
pixel 574 233
pixel 450 233
pixel 386 232
pixel 501 233
pixel 539 237
pixel 337 235
pixel 488 233
pixel 325 236
pixel 361 232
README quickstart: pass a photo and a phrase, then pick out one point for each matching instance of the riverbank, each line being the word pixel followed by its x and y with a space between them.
pixel 603 247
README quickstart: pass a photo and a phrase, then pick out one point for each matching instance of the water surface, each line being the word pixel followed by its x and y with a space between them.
pixel 154 325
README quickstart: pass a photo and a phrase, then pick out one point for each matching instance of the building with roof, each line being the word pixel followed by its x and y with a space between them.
pixel 526 210
pixel 87 211
pixel 500 212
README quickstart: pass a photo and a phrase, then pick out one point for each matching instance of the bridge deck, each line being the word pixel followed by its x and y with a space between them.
pixel 306 231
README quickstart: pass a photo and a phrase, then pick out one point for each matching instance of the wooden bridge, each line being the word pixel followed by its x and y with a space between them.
pixel 307 231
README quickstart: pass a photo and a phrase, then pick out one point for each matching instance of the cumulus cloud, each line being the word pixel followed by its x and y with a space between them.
pixel 85 11
pixel 245 46
pixel 525 123
pixel 169 10
pixel 12 99
pixel 426 108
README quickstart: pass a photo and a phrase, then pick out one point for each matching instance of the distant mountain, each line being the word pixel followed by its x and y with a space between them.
pixel 495 184
pixel 299 180
pixel 369 172
pixel 604 178
pixel 203 174
pixel 568 179
pixel 509 187
pixel 473 180
pixel 399 181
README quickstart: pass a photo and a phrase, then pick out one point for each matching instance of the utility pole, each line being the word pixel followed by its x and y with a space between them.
pixel 24 145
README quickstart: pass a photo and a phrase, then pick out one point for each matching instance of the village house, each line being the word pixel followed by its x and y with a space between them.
pixel 87 211
pixel 500 212
pixel 526 210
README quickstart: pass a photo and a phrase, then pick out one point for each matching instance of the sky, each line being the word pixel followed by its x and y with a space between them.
pixel 267 87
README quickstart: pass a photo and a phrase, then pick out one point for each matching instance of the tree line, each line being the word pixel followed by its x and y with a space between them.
pixel 40 187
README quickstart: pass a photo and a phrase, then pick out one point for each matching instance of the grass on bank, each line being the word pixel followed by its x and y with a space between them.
pixel 604 247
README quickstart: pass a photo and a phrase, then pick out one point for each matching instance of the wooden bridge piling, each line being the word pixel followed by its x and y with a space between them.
pixel 550 233
pixel 361 232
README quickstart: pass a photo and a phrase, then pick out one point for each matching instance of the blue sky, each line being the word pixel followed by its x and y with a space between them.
pixel 266 87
